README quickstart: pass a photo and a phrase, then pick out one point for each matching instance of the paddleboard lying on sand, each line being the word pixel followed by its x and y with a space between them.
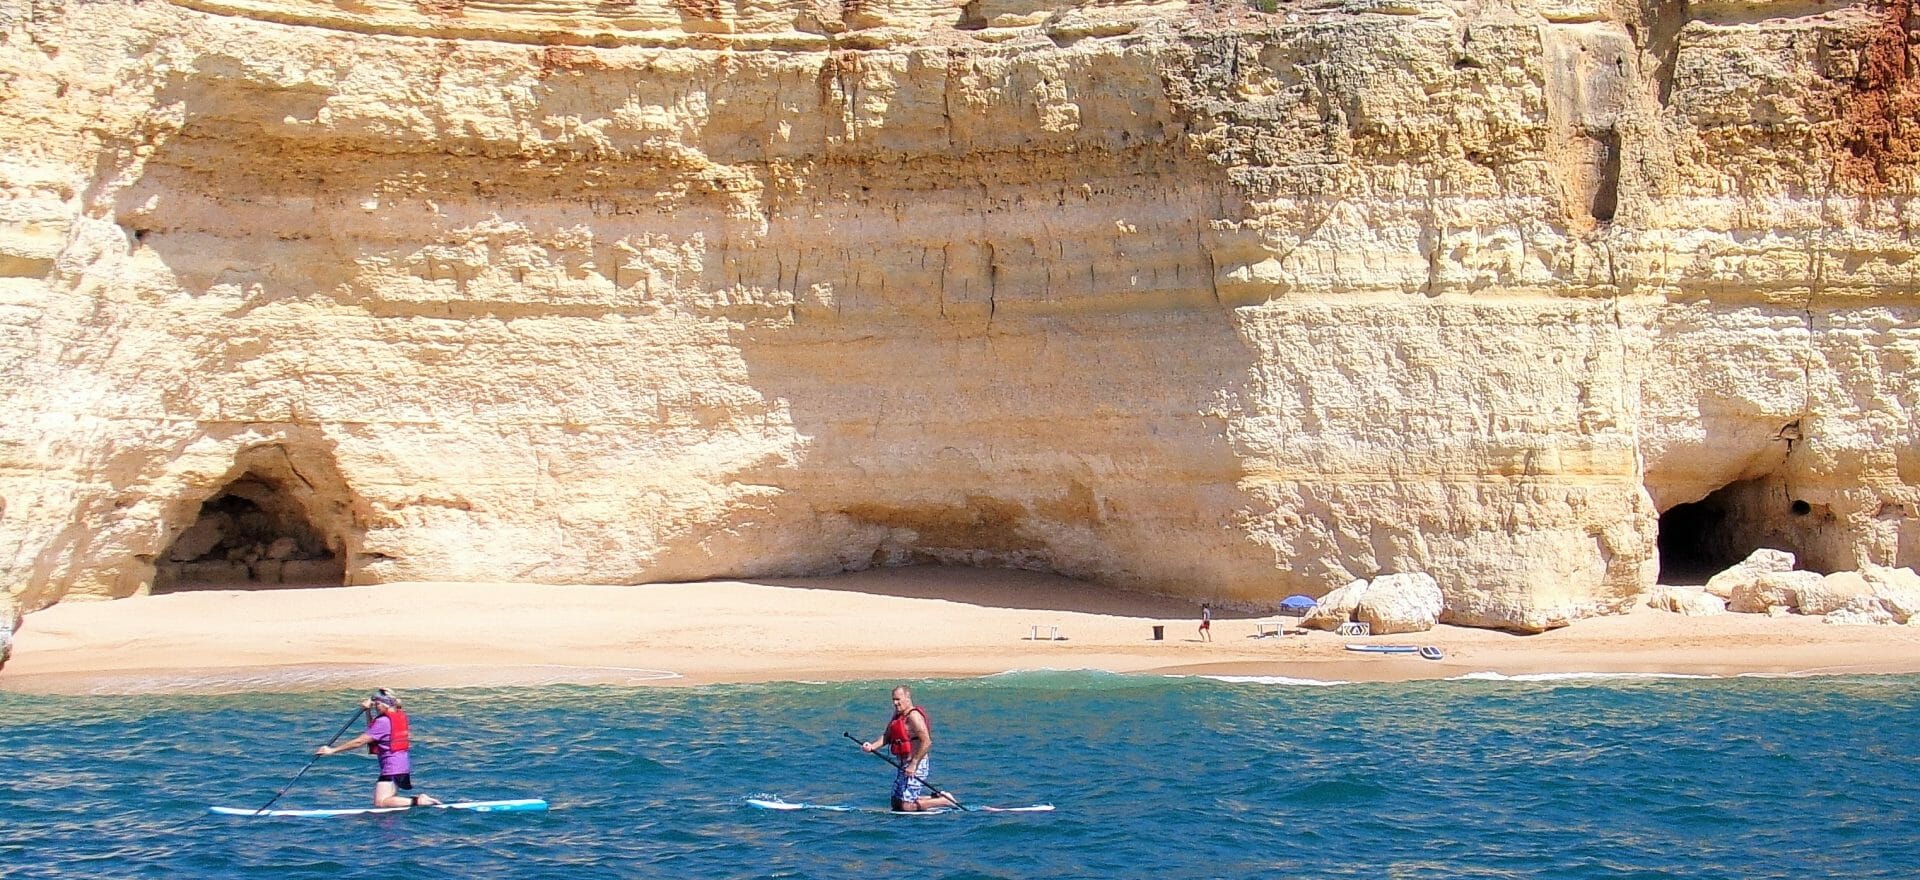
pixel 776 804
pixel 1383 649
pixel 523 805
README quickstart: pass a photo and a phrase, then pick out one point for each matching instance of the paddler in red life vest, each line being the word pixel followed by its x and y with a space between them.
pixel 910 738
pixel 386 738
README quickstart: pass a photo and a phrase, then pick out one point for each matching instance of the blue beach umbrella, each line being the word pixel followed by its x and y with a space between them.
pixel 1301 603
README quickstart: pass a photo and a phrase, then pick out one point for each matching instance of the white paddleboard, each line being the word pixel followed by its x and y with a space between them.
pixel 523 805
pixel 766 804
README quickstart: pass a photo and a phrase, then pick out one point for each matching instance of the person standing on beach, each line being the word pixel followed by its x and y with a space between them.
pixel 1206 621
pixel 910 738
pixel 386 738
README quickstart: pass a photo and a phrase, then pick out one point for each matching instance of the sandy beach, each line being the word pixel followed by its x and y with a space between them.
pixel 889 624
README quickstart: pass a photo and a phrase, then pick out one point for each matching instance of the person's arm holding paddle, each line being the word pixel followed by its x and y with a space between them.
pixel 366 709
pixel 347 746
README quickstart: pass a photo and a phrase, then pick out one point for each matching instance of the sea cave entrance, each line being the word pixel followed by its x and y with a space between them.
pixel 1702 538
pixel 1692 542
pixel 252 534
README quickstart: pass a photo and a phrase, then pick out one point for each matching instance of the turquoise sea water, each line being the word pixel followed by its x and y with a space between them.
pixel 1153 777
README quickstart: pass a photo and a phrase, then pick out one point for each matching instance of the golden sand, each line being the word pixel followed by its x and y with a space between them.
pixel 888 624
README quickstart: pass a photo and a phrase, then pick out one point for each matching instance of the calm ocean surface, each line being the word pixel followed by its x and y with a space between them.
pixel 1153 777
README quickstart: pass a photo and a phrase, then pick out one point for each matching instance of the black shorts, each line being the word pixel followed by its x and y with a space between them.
pixel 402 781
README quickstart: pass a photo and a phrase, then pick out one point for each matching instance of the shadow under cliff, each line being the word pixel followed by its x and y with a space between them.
pixel 1017 590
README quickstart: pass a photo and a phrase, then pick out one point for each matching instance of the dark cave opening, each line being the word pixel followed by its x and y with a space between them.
pixel 1702 538
pixel 1690 539
pixel 253 534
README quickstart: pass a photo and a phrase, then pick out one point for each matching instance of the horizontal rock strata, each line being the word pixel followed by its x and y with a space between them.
pixel 1222 301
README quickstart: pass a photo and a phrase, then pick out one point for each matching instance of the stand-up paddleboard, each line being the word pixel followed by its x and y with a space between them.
pixel 524 805
pixel 776 804
pixel 1383 649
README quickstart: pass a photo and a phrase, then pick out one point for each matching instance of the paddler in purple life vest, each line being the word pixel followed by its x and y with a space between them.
pixel 910 738
pixel 386 738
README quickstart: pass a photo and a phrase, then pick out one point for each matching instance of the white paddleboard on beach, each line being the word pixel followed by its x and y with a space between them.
pixel 775 804
pixel 524 805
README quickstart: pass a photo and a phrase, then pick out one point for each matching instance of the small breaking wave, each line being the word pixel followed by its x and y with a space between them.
pixel 1576 676
pixel 1047 670
pixel 1282 680
pixel 319 678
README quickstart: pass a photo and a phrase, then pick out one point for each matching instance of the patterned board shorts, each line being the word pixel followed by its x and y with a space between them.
pixel 907 787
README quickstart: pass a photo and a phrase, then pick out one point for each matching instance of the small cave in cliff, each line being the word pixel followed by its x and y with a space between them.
pixel 253 534
pixel 1689 543
pixel 1702 538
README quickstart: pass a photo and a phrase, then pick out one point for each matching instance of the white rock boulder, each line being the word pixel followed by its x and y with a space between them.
pixel 1400 603
pixel 1777 589
pixel 1762 561
pixel 1393 603
pixel 1336 608
pixel 1834 592
pixel 1690 601
pixel 1860 611
pixel 1898 590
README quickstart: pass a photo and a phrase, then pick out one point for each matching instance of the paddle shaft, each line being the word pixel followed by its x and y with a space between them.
pixel 303 771
pixel 916 777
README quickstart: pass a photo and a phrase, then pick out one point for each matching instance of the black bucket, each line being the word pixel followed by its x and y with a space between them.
pixel 1159 633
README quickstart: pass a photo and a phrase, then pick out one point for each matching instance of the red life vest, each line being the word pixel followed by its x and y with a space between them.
pixel 898 740
pixel 397 740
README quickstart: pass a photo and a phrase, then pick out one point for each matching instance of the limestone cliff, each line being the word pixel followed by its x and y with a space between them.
pixel 1215 300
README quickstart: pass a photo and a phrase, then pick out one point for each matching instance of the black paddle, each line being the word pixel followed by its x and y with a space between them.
pixel 921 779
pixel 303 771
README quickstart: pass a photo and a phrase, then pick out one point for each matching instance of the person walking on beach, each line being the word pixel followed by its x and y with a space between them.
pixel 386 738
pixel 1206 622
pixel 910 738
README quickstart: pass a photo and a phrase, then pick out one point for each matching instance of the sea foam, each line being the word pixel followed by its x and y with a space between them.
pixel 1573 676
pixel 1284 680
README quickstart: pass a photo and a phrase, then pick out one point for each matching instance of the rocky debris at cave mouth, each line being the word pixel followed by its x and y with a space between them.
pixel 1743 573
pixel 1688 601
pixel 1766 582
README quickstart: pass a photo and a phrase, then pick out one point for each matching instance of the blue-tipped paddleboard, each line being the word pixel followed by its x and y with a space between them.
pixel 524 805
pixel 777 804
pixel 1383 649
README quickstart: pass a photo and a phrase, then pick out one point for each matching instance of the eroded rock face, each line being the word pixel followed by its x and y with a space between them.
pixel 1193 299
